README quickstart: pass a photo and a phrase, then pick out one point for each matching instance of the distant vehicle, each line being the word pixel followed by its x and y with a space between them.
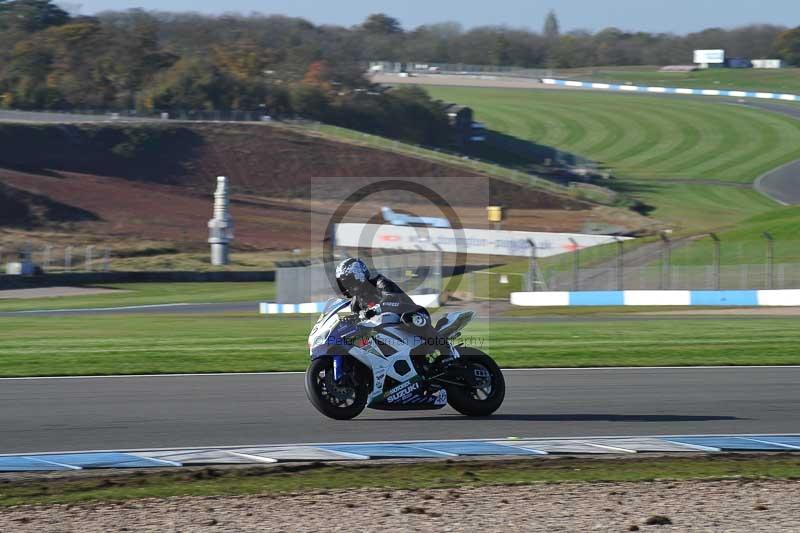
pixel 434 70
pixel 399 219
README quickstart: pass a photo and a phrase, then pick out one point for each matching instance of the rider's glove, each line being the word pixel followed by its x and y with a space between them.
pixel 370 312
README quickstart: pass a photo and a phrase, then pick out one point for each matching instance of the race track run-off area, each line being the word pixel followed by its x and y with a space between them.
pixel 149 412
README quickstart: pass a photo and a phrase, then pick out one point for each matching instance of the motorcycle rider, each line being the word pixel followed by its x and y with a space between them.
pixel 379 300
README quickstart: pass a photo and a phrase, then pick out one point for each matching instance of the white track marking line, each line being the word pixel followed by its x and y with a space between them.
pixel 412 442
pixel 445 454
pixel 165 461
pixel 543 369
pixel 252 457
pixel 71 467
pixel 604 446
pixel 787 446
pixel 510 444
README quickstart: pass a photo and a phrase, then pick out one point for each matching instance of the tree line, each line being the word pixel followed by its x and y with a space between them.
pixel 287 66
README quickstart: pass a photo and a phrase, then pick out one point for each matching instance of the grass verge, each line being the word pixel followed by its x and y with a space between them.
pixel 174 343
pixel 689 158
pixel 426 475
pixel 152 294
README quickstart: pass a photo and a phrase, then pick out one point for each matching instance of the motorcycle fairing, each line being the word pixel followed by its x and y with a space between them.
pixel 452 323
pixel 333 337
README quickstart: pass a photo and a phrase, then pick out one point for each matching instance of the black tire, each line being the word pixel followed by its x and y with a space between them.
pixel 468 401
pixel 319 377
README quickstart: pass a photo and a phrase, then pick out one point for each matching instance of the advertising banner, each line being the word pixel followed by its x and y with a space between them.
pixel 471 241
pixel 709 56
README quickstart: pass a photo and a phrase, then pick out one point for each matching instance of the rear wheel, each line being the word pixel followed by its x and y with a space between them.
pixel 482 393
pixel 340 401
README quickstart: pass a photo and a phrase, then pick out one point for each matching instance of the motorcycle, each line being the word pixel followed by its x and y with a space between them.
pixel 388 367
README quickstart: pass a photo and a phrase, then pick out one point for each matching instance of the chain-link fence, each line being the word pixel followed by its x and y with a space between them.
pixel 415 272
pixel 54 259
pixel 708 277
pixel 418 67
pixel 707 263
pixel 133 115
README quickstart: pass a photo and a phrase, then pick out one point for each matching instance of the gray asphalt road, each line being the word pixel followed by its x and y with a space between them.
pixel 783 183
pixel 178 411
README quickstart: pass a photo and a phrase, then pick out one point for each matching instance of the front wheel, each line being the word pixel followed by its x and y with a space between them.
pixel 340 401
pixel 488 388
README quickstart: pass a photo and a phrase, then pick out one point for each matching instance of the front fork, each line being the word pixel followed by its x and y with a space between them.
pixel 338 368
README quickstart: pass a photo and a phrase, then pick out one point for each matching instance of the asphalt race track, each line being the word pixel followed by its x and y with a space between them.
pixel 782 183
pixel 39 415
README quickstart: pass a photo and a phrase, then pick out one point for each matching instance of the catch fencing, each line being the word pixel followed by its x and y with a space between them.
pixel 58 259
pixel 707 263
pixel 76 116
pixel 466 69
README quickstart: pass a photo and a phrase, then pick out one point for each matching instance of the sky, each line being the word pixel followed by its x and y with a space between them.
pixel 678 16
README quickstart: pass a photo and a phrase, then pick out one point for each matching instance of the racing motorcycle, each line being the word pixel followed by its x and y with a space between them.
pixel 389 367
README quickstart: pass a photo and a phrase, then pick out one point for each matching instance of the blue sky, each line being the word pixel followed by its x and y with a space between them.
pixel 678 16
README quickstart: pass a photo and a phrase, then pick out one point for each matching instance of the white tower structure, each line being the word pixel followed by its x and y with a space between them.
pixel 220 228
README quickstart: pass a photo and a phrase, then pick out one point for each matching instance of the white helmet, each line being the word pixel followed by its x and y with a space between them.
pixel 351 274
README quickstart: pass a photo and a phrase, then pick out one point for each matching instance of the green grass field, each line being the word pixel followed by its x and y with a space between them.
pixel 142 344
pixel 200 262
pixel 746 244
pixel 641 136
pixel 356 137
pixel 152 294
pixel 692 159
pixel 785 80
pixel 438 474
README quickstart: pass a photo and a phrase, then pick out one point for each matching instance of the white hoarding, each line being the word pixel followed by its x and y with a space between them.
pixel 767 63
pixel 709 56
pixel 471 241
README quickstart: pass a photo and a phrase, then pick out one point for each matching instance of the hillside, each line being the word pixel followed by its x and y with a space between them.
pixel 17 206
pixel 693 160
pixel 154 182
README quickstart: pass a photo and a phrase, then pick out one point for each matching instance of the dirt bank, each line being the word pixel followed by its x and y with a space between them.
pixel 714 506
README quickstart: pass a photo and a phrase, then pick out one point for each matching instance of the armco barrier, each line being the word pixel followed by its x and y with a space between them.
pixel 671 90
pixel 177 276
pixel 268 308
pixel 677 298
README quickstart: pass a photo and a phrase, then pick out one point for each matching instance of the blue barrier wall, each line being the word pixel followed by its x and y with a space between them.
pixel 788 297
pixel 672 90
